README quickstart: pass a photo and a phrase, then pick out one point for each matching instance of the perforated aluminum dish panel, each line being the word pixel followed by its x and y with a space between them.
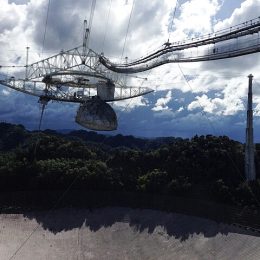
pixel 96 114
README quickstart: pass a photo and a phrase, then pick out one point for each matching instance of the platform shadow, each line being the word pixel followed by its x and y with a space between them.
pixel 174 225
pixel 178 217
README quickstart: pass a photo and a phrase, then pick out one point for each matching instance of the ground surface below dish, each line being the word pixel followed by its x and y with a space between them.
pixel 121 233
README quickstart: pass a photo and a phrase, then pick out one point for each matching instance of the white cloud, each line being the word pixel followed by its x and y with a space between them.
pixel 161 103
pixel 5 92
pixel 230 104
pixel 130 104
pixel 180 109
pixel 195 18
pixel 203 102
pixel 167 113
pixel 248 10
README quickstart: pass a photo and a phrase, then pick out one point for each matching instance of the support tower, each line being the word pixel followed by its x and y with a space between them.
pixel 250 149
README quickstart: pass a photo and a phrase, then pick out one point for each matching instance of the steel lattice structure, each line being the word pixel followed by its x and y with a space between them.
pixel 71 76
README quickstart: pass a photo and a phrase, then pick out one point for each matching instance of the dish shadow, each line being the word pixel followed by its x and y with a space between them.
pixel 58 211
pixel 175 225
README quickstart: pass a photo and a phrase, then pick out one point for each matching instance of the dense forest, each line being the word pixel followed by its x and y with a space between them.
pixel 203 167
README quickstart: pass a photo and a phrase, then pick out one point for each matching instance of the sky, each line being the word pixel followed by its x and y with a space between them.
pixel 212 102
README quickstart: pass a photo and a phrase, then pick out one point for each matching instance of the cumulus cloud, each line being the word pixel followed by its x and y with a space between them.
pixel 5 92
pixel 180 109
pixel 228 102
pixel 161 103
pixel 196 18
pixel 128 105
pixel 247 11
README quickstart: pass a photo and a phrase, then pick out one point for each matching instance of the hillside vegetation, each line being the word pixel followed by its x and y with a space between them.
pixel 203 167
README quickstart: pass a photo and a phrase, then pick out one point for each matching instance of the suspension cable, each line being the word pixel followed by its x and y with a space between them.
pixel 43 106
pixel 128 25
pixel 41 116
pixel 105 33
pixel 91 16
pixel 45 29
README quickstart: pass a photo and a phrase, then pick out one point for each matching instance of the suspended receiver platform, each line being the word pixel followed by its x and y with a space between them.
pixel 77 76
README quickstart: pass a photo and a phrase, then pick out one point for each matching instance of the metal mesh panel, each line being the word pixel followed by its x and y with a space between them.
pixel 95 114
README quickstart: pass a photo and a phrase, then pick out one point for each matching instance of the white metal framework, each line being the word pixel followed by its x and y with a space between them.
pixel 71 76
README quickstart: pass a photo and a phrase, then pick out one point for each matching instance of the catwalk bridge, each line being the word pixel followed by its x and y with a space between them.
pixel 235 41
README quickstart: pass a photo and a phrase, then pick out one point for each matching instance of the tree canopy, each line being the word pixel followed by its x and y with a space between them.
pixel 204 167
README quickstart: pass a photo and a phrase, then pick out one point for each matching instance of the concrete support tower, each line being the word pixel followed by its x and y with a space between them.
pixel 250 149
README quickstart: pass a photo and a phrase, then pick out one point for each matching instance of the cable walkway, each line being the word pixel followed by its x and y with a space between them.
pixel 242 39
